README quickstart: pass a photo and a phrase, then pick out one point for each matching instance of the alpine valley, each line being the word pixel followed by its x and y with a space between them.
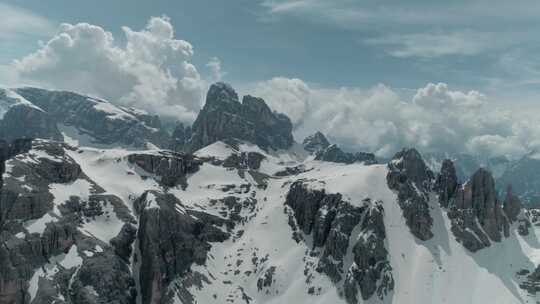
pixel 104 204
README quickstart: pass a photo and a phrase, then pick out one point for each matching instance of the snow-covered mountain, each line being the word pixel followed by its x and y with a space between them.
pixel 252 217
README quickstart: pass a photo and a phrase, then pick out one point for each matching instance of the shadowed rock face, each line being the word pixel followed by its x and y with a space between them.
pixel 170 168
pixel 315 143
pixel 330 221
pixel 170 240
pixel 447 183
pixel 411 178
pixel 334 154
pixel 25 121
pixel 224 117
pixel 476 214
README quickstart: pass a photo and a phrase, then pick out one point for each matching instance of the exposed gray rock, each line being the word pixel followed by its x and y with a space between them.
pixel 447 183
pixel 170 168
pixel 170 241
pixel 486 205
pixel 532 282
pixel 27 121
pixel 289 171
pixel 267 279
pixel 315 143
pixel 371 270
pixel 244 160
pixel 476 214
pixel 224 117
pixel 102 121
pixel 411 178
pixel 124 240
pixel 31 199
pixel 331 221
pixel 103 278
pixel 334 154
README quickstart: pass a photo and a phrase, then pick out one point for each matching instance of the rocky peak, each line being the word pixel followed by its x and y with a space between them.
pixel 315 142
pixel 410 163
pixel 409 176
pixel 447 182
pixel 224 117
pixel 220 93
pixel 334 154
pixel 476 213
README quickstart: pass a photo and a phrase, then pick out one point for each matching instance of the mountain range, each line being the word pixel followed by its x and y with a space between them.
pixel 104 204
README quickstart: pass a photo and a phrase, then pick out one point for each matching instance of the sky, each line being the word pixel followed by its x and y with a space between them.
pixel 373 75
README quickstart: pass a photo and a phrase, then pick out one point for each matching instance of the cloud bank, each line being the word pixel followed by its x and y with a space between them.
pixel 151 71
pixel 379 120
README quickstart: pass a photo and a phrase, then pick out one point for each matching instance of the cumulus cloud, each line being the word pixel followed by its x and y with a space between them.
pixel 152 70
pixel 285 95
pixel 216 72
pixel 380 120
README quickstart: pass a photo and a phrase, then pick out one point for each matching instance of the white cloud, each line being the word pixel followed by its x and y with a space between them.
pixel 285 95
pixel 431 45
pixel 15 21
pixel 435 119
pixel 216 71
pixel 151 71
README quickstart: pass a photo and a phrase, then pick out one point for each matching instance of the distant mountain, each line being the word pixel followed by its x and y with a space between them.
pixel 523 176
pixel 59 115
pixel 224 116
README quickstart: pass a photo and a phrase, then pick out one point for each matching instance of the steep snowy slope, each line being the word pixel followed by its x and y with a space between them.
pixel 262 257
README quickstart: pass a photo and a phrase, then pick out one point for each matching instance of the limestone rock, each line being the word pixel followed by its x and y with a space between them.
pixel 334 154
pixel 224 117
pixel 411 178
pixel 315 143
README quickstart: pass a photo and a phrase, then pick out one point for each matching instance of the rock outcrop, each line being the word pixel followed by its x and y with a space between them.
pixel 331 220
pixel 412 180
pixel 476 214
pixel 169 168
pixel 447 183
pixel 334 154
pixel 105 123
pixel 315 143
pixel 170 240
pixel 224 117
pixel 27 121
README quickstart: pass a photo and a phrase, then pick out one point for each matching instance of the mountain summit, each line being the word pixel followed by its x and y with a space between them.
pixel 224 117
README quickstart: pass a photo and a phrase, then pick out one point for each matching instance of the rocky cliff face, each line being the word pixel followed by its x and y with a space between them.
pixel 330 221
pixel 477 215
pixel 102 122
pixel 170 169
pixel 412 180
pixel 170 240
pixel 334 154
pixel 224 117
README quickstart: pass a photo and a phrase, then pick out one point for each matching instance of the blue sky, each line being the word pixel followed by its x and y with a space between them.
pixel 332 43
pixel 303 56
